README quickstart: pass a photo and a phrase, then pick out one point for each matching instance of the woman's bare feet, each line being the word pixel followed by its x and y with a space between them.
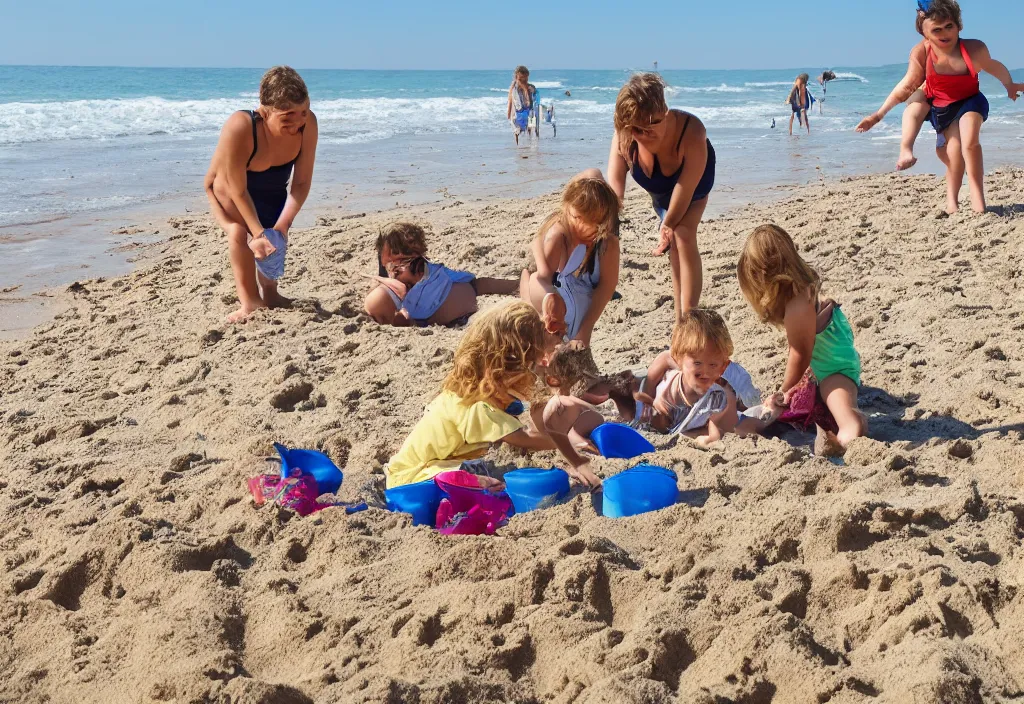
pixel 906 160
pixel 244 311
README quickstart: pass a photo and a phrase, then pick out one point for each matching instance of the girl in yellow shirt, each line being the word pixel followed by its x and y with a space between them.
pixel 494 365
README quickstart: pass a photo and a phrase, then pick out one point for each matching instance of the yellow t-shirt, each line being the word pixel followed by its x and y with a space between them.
pixel 449 433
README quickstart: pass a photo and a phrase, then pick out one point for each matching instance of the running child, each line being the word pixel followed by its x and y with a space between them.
pixel 415 291
pixel 784 291
pixel 577 255
pixel 493 366
pixel 948 68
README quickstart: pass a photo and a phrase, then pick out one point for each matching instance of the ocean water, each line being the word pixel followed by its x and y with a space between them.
pixel 82 148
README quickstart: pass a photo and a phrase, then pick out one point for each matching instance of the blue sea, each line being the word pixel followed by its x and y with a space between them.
pixel 83 150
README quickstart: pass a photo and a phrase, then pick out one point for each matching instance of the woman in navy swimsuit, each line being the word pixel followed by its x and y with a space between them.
pixel 669 156
pixel 247 185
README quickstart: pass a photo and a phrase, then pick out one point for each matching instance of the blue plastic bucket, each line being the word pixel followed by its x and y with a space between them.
pixel 420 499
pixel 328 476
pixel 619 441
pixel 639 490
pixel 534 488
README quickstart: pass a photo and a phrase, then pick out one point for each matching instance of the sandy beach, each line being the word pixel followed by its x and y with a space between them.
pixel 137 569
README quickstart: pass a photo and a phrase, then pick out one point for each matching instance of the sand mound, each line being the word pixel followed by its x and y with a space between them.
pixel 136 568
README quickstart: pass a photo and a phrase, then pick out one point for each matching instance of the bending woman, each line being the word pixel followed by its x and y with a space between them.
pixel 247 185
pixel 669 156
pixel 577 256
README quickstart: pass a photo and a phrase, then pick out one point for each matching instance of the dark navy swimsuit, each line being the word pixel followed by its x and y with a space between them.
pixel 268 189
pixel 660 186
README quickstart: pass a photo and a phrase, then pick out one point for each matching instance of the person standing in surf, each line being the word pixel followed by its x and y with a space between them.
pixel 520 102
pixel 670 156
pixel 950 97
pixel 800 102
pixel 247 185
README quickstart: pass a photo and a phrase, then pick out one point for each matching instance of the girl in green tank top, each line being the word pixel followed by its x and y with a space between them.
pixel 783 290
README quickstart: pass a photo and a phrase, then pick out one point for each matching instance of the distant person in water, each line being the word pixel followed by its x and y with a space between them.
pixel 800 102
pixel 824 78
pixel 669 155
pixel 248 185
pixel 951 98
pixel 520 102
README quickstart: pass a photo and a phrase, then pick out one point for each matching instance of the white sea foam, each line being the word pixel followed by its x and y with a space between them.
pixel 847 76
pixel 548 84
pixel 767 84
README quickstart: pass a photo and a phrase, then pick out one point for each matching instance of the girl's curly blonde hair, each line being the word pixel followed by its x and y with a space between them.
pixel 495 359
pixel 640 102
pixel 771 273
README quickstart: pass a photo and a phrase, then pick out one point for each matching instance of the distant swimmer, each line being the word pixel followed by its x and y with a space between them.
pixel 567 94
pixel 773 123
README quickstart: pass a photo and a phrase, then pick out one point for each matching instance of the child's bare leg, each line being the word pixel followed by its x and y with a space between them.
pixel 791 124
pixel 487 286
pixel 970 133
pixel 461 301
pixel 840 395
pixel 380 306
pixel 807 123
pixel 913 117
pixel 955 167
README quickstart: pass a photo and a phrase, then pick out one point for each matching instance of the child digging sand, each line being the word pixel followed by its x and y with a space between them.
pixel 784 291
pixel 493 366
pixel 416 291
pixel 948 66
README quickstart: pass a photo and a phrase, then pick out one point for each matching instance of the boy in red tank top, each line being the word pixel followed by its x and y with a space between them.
pixel 950 98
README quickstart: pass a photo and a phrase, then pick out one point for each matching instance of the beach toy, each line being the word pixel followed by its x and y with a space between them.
pixel 515 408
pixel 534 488
pixel 619 441
pixel 639 490
pixel 317 464
pixel 420 499
pixel 468 509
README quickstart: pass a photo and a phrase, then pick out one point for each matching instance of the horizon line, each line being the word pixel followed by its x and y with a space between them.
pixel 427 70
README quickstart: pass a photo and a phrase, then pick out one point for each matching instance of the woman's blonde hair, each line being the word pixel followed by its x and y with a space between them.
pixel 802 78
pixel 594 202
pixel 495 359
pixel 640 101
pixel 771 273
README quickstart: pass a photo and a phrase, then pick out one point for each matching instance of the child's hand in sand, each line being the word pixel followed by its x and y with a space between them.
pixel 261 247
pixel 869 122
pixel 585 476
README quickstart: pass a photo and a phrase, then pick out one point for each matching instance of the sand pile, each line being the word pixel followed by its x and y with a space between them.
pixel 137 569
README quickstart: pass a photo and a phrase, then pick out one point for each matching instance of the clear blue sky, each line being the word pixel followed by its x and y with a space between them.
pixel 454 34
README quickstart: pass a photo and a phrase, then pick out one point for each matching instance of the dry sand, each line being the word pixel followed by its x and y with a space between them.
pixel 136 568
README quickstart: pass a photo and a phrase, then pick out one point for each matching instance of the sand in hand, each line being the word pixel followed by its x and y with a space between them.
pixel 137 569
